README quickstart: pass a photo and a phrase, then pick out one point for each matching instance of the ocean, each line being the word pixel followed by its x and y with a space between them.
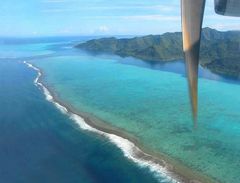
pixel 41 144
pixel 144 104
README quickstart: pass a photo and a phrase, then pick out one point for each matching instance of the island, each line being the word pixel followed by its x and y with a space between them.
pixel 220 51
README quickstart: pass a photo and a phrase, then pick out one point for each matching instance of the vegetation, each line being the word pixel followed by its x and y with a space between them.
pixel 220 51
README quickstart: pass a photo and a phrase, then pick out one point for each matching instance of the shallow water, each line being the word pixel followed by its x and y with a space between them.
pixel 147 100
pixel 153 106
pixel 40 144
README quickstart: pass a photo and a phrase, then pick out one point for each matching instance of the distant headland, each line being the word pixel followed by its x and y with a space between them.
pixel 220 51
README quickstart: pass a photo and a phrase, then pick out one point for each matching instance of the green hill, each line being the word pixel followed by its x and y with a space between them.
pixel 220 51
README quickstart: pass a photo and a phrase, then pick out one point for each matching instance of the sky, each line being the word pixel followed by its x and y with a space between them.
pixel 21 18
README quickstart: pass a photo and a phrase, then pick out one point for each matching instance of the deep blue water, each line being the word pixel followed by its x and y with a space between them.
pixel 40 144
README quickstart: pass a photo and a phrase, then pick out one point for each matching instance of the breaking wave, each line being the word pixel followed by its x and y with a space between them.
pixel 129 149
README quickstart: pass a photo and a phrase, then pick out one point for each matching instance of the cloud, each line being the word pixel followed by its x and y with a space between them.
pixel 148 17
pixel 67 30
pixel 153 17
pixel 56 10
pixel 55 1
pixel 221 18
pixel 103 29
pixel 131 8
pixel 226 26
pixel 34 33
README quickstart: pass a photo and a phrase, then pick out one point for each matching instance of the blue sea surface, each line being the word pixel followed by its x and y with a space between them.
pixel 147 100
pixel 40 144
pixel 152 104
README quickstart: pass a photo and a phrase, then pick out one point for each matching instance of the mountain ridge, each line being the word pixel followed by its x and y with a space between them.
pixel 220 51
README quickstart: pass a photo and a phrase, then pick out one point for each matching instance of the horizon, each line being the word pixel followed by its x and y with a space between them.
pixel 49 18
pixel 99 36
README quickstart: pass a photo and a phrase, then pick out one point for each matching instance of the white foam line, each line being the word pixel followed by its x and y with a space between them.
pixel 129 149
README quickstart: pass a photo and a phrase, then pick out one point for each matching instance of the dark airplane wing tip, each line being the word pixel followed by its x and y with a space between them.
pixel 227 7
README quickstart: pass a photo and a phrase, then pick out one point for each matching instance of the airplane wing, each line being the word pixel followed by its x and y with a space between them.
pixel 192 17
pixel 227 7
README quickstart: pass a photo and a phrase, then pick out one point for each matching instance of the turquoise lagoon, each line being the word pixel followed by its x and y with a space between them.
pixel 149 101
pixel 153 106
pixel 40 144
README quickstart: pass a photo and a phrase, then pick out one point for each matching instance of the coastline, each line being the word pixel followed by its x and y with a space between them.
pixel 157 163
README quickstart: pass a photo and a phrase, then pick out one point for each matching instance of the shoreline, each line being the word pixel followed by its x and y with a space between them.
pixel 159 164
